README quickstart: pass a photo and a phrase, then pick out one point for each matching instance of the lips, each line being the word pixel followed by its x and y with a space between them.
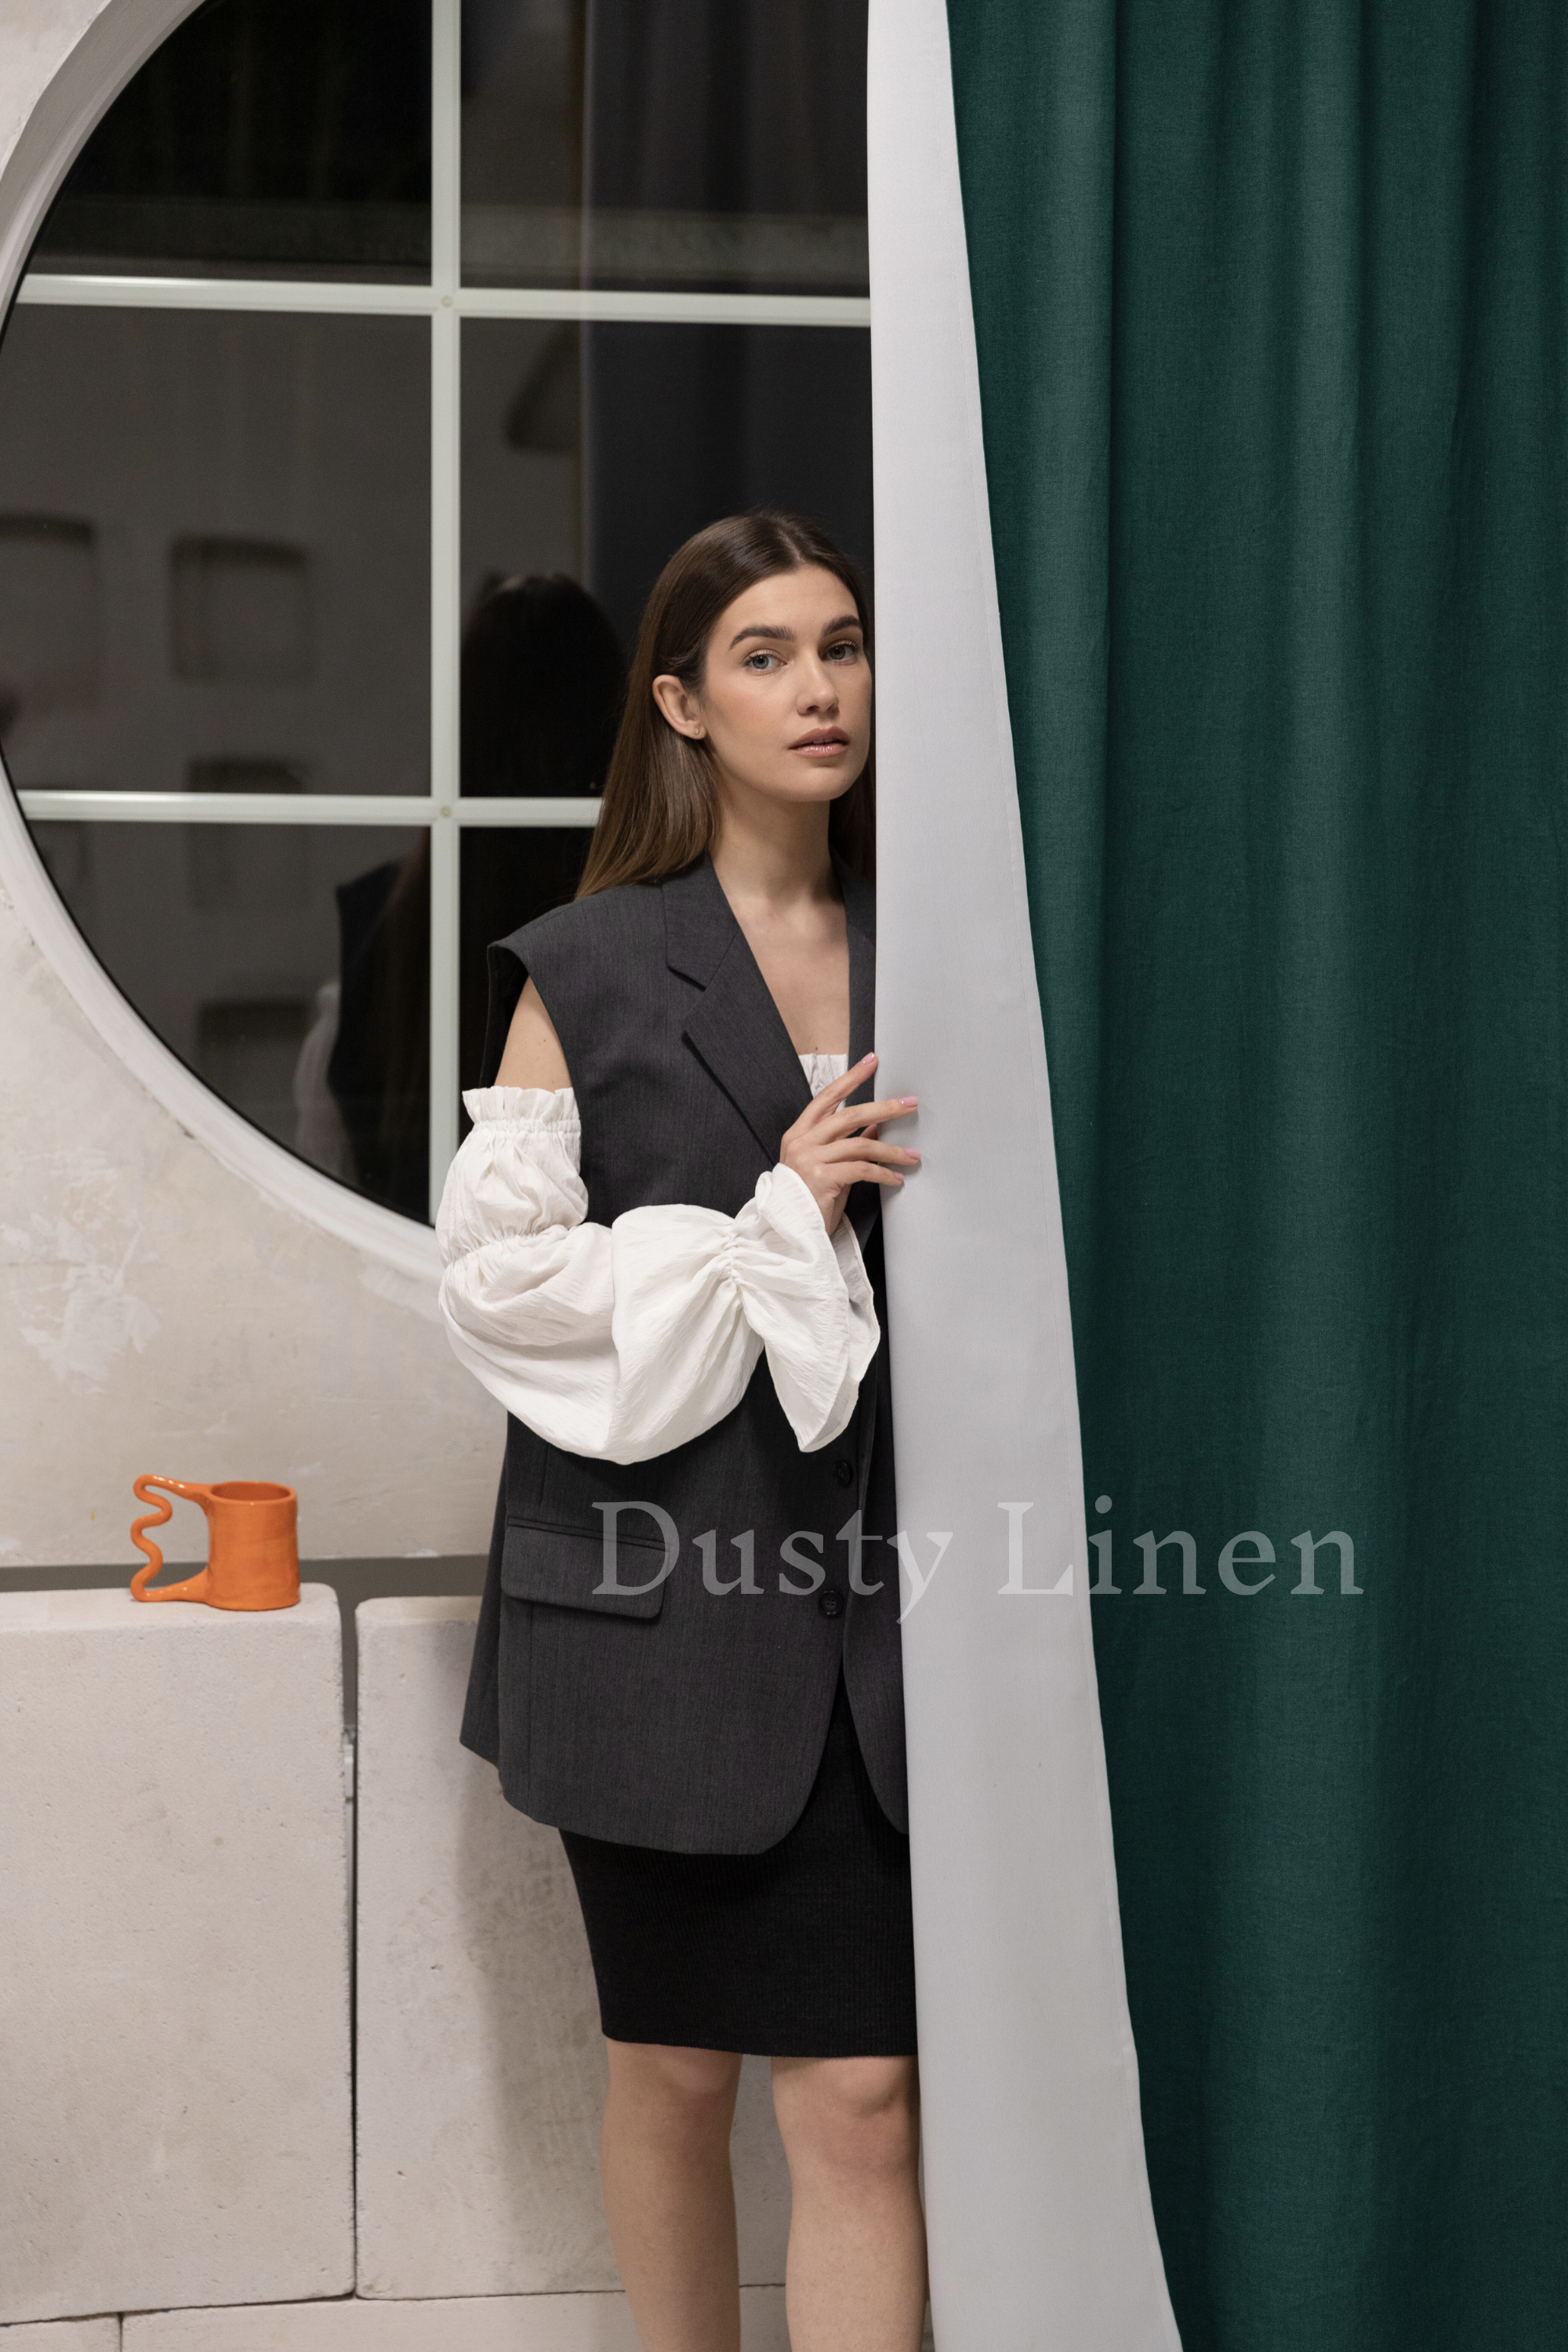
pixel 826 739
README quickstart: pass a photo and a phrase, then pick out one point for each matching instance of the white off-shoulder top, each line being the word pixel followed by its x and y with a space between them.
pixel 621 1341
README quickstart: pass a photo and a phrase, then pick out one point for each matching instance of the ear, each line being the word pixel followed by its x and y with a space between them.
pixel 679 707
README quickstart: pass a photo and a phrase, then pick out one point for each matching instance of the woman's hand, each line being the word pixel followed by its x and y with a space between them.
pixel 830 1148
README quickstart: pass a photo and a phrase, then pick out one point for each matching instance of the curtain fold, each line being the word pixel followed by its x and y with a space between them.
pixel 1269 305
pixel 1041 2232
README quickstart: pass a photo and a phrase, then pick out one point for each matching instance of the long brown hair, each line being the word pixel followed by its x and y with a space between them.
pixel 661 796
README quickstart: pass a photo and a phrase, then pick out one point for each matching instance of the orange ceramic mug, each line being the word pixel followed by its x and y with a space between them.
pixel 252 1550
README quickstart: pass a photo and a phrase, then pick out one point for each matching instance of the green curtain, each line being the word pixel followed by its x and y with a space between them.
pixel 1270 312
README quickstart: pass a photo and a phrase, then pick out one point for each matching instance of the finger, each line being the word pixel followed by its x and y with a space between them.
pixel 861 1147
pixel 865 1172
pixel 854 1115
pixel 834 1093
pixel 849 1134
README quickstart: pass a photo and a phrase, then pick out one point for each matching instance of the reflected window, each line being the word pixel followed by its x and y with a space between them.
pixel 703 144
pixel 229 939
pixel 245 572
pixel 240 608
pixel 51 615
pixel 322 550
pixel 283 138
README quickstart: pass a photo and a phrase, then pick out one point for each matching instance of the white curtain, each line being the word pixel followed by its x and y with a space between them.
pixel 1041 2229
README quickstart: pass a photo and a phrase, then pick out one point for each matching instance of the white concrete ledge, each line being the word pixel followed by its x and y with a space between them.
pixel 61 2335
pixel 173 2033
pixel 480 2063
pixel 524 2323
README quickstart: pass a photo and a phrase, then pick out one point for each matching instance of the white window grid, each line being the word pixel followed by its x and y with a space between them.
pixel 445 301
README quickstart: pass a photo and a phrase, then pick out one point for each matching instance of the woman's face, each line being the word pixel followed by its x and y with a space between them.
pixel 785 697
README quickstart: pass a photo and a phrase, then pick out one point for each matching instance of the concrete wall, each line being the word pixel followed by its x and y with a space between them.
pixel 175 2032
pixel 61 2335
pixel 35 38
pixel 157 1312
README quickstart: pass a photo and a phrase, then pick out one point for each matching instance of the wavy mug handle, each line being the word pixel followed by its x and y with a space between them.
pixel 191 1588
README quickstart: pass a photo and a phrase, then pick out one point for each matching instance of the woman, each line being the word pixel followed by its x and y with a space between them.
pixel 663 1255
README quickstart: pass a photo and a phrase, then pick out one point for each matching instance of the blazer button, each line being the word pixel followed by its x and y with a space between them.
pixel 830 1600
pixel 843 1471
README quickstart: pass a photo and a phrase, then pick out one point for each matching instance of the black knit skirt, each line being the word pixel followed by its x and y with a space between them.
pixel 804 1951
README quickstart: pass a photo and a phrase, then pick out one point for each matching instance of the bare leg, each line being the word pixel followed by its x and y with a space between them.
pixel 669 2197
pixel 856 2278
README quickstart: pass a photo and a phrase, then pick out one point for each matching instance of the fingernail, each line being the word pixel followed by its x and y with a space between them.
pixel 914 1155
pixel 908 1101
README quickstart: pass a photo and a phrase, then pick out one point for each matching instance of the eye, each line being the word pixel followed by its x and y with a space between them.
pixel 846 650
pixel 760 661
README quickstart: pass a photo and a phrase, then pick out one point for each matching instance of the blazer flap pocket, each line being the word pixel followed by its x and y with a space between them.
pixel 566 1568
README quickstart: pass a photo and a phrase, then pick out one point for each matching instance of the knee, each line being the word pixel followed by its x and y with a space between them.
pixel 680 2092
pixel 852 2116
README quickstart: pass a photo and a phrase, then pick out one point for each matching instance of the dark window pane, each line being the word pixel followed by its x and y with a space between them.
pixel 665 142
pixel 522 485
pixel 215 551
pixel 265 137
pixel 543 678
pixel 287 965
pixel 683 425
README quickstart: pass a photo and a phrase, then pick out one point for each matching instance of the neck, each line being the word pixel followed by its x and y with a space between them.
pixel 772 852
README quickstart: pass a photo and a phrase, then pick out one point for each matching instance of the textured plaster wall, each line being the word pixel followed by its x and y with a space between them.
pixel 158 1313
pixel 36 35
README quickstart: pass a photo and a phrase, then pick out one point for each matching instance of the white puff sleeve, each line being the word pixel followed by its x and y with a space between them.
pixel 621 1341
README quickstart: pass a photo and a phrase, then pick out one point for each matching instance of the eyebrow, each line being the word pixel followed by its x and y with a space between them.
pixel 786 636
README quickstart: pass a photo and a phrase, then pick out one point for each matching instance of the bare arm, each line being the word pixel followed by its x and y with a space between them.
pixel 533 1056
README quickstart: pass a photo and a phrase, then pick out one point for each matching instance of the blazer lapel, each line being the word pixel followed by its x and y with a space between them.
pixel 734 1025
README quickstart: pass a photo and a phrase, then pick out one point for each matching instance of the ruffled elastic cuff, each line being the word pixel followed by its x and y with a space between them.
pixel 530 1110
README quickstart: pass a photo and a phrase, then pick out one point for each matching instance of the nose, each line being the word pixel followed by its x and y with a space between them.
pixel 818 687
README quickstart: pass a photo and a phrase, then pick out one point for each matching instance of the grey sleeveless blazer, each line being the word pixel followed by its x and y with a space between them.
pixel 654 1709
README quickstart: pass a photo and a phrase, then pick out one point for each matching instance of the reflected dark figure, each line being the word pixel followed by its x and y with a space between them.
pixel 542 678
